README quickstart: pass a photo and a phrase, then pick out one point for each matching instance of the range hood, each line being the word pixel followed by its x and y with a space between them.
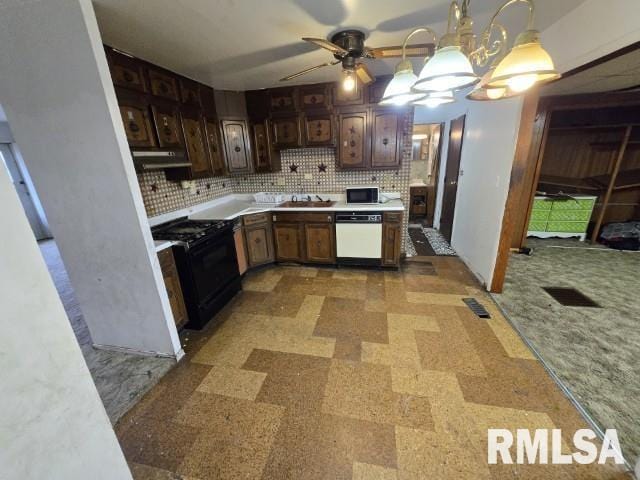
pixel 159 160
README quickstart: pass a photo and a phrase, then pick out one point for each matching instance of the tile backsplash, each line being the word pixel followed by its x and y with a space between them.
pixel 162 196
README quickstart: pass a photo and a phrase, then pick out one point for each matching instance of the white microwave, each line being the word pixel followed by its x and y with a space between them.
pixel 363 194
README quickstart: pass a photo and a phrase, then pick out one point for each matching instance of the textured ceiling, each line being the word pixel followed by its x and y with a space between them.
pixel 622 72
pixel 246 44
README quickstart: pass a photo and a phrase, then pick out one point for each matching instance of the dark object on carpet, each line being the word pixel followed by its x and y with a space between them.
pixel 570 297
pixel 622 235
pixel 476 307
pixel 420 242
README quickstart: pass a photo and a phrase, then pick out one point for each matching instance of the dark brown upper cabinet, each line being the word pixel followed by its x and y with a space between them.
pixel 314 97
pixel 257 104
pixel 163 84
pixel 135 114
pixel 319 130
pixel 386 138
pixel 189 92
pixel 166 119
pixel 208 102
pixel 194 139
pixel 282 99
pixel 230 104
pixel 357 96
pixel 236 145
pixel 126 71
pixel 376 90
pixel 214 147
pixel 286 132
pixel 354 141
pixel 263 155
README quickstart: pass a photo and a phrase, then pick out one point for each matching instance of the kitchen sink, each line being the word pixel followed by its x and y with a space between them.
pixel 303 204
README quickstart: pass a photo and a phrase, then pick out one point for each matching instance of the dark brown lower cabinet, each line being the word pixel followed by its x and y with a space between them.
pixel 391 239
pixel 259 239
pixel 320 242
pixel 172 284
pixel 304 237
pixel 288 240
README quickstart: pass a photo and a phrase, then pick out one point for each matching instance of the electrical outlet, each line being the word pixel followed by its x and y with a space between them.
pixel 280 182
pixel 308 176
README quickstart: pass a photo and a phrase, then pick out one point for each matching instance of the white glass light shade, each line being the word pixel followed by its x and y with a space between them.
pixel 448 69
pixel 435 99
pixel 398 92
pixel 348 80
pixel 524 66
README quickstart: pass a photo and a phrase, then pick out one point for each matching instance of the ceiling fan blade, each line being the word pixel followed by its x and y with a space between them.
pixel 418 50
pixel 326 44
pixel 364 74
pixel 310 69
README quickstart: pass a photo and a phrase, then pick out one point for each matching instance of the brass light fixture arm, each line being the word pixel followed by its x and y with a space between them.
pixel 406 64
pixel 484 51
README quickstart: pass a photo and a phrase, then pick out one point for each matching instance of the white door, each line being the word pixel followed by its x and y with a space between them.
pixel 40 229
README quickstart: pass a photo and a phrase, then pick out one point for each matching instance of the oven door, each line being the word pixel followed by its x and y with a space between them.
pixel 213 266
pixel 362 195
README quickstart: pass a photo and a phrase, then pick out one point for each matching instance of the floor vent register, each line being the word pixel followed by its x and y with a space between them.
pixel 476 307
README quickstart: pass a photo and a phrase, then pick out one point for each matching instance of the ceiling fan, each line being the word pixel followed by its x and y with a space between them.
pixel 348 48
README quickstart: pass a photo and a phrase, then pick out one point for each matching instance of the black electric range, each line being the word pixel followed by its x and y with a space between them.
pixel 206 260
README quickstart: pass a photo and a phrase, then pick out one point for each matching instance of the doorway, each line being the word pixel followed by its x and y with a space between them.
pixel 425 166
pixel 452 172
pixel 29 200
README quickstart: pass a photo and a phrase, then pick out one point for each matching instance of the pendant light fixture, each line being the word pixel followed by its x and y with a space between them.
pixel 398 91
pixel 525 65
pixel 451 67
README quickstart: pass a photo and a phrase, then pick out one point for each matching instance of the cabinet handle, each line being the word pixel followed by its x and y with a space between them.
pixel 385 141
pixel 257 241
pixel 237 149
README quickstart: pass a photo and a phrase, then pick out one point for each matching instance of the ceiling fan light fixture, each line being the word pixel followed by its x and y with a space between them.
pixel 525 65
pixel 398 91
pixel 349 80
pixel 448 69
pixel 435 99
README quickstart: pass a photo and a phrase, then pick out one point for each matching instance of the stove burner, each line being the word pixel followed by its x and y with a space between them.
pixel 188 231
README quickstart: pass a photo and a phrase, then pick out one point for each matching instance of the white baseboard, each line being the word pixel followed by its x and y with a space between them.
pixel 178 356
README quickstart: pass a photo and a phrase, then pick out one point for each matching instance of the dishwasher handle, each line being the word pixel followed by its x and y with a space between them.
pixel 358 218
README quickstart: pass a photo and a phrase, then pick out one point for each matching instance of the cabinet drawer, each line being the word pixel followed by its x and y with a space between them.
pixel 541 204
pixel 567 227
pixel 302 217
pixel 539 215
pixel 537 226
pixel 570 215
pixel 255 218
pixel 394 217
pixel 578 204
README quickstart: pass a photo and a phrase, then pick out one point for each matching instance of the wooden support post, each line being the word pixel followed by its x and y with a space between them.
pixel 612 183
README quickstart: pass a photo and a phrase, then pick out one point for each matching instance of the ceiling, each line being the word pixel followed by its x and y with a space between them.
pixel 240 44
pixel 622 72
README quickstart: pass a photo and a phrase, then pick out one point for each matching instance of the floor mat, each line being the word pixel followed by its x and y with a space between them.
pixel 420 242
pixel 438 243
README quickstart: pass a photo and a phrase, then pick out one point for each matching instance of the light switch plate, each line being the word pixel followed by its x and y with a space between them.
pixel 280 182
pixel 308 176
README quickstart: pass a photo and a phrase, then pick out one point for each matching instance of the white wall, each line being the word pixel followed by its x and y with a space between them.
pixel 56 91
pixel 52 422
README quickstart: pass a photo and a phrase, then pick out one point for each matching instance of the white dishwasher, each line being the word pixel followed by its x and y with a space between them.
pixel 359 238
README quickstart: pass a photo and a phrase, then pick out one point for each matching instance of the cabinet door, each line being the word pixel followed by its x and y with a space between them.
pixel 196 147
pixel 320 242
pixel 172 284
pixel 167 123
pixel 259 240
pixel 282 100
pixel 354 141
pixel 386 141
pixel 261 147
pixel 137 124
pixel 288 242
pixel 126 71
pixel 189 92
pixel 319 130
pixel 241 255
pixel 314 97
pixel 391 243
pixel 286 132
pixel 163 84
pixel 357 96
pixel 214 147
pixel 236 146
